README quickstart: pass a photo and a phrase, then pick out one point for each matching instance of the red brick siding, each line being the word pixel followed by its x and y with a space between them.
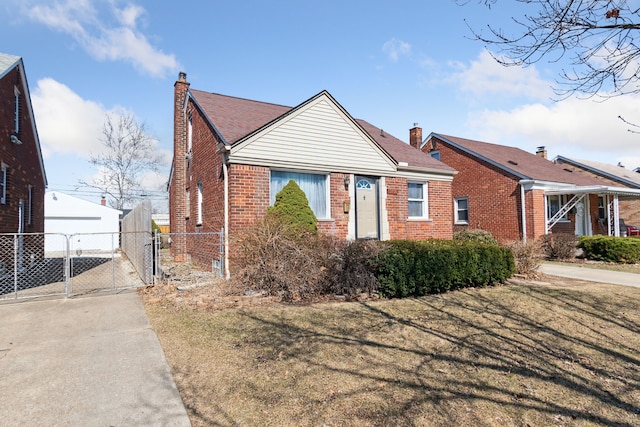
pixel 22 160
pixel 339 224
pixel 177 188
pixel 248 195
pixel 494 196
pixel 439 224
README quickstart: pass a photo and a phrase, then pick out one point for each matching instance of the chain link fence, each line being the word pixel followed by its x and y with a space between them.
pixel 39 264
pixel 203 259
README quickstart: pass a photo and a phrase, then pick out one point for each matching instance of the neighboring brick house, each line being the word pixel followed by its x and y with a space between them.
pixel 629 205
pixel 518 195
pixel 232 155
pixel 22 176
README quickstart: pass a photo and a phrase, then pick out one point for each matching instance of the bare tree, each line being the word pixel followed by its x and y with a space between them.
pixel 128 153
pixel 597 37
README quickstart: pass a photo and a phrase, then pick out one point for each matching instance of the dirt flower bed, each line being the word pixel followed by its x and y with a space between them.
pixel 545 352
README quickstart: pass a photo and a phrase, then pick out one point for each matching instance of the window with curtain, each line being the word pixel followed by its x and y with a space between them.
pixel 313 185
pixel 417 200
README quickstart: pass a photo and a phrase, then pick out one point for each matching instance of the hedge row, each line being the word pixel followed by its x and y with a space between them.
pixel 416 268
pixel 611 249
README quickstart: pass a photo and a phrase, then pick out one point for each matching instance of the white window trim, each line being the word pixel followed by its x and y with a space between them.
pixel 562 201
pixel 456 211
pixel 199 213
pixel 189 133
pixel 187 203
pixel 327 177
pixel 424 200
pixel 3 177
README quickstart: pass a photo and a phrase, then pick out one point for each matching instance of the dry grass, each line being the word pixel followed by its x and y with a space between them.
pixel 523 354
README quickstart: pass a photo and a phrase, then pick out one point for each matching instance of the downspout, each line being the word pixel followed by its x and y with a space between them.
pixel 524 214
pixel 225 171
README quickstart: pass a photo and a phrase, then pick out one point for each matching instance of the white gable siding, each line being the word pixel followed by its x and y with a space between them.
pixel 319 137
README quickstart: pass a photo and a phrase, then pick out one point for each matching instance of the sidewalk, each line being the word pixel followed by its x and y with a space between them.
pixel 92 361
pixel 591 274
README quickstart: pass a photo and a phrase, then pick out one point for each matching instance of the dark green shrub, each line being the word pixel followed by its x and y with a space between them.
pixel 292 206
pixel 610 249
pixel 559 246
pixel 475 235
pixel 415 268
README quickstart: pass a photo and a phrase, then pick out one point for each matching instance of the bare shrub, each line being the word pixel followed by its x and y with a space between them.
pixel 559 246
pixel 351 272
pixel 527 256
pixel 277 259
pixel 476 235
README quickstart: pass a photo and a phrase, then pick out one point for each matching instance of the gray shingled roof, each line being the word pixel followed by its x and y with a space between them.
pixel 235 118
pixel 7 62
pixel 618 173
pixel 521 163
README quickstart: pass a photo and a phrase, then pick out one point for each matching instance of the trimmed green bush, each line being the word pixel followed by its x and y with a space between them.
pixel 416 268
pixel 292 206
pixel 476 235
pixel 625 250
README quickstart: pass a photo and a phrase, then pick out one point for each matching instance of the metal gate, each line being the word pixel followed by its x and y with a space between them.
pixel 39 264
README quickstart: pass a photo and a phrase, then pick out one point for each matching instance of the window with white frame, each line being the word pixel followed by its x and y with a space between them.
pixel 314 186
pixel 188 203
pixel 199 216
pixel 417 196
pixel 554 204
pixel 16 124
pixel 602 210
pixel 461 208
pixel 190 133
pixel 3 183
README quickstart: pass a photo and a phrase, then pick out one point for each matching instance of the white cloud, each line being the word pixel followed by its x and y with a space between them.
pixel 395 48
pixel 66 122
pixel 123 42
pixel 484 76
pixel 574 128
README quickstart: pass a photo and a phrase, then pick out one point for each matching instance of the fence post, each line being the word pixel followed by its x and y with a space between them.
pixel 67 266
pixel 15 264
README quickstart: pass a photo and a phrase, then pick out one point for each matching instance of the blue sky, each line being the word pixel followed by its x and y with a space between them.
pixel 392 63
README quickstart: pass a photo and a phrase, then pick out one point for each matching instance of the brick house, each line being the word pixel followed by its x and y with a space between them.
pixel 233 155
pixel 518 195
pixel 22 176
pixel 629 205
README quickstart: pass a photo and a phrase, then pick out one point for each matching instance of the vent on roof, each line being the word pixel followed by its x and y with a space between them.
pixel 568 170
pixel 512 162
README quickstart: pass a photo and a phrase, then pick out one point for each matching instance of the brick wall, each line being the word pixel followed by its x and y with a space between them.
pixel 22 160
pixel 177 198
pixel 440 222
pixel 493 196
pixel 339 224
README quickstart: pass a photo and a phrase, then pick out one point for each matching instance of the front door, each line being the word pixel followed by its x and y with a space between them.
pixel 367 210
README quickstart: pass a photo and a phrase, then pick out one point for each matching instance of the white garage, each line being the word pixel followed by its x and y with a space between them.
pixel 93 227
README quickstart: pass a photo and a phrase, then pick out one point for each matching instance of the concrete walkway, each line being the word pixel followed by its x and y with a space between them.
pixel 591 274
pixel 92 361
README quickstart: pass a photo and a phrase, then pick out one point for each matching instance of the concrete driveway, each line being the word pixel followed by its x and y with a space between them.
pixel 91 361
pixel 591 274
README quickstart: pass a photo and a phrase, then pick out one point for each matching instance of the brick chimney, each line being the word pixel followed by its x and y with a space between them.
pixel 103 201
pixel 415 136
pixel 541 152
pixel 177 192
